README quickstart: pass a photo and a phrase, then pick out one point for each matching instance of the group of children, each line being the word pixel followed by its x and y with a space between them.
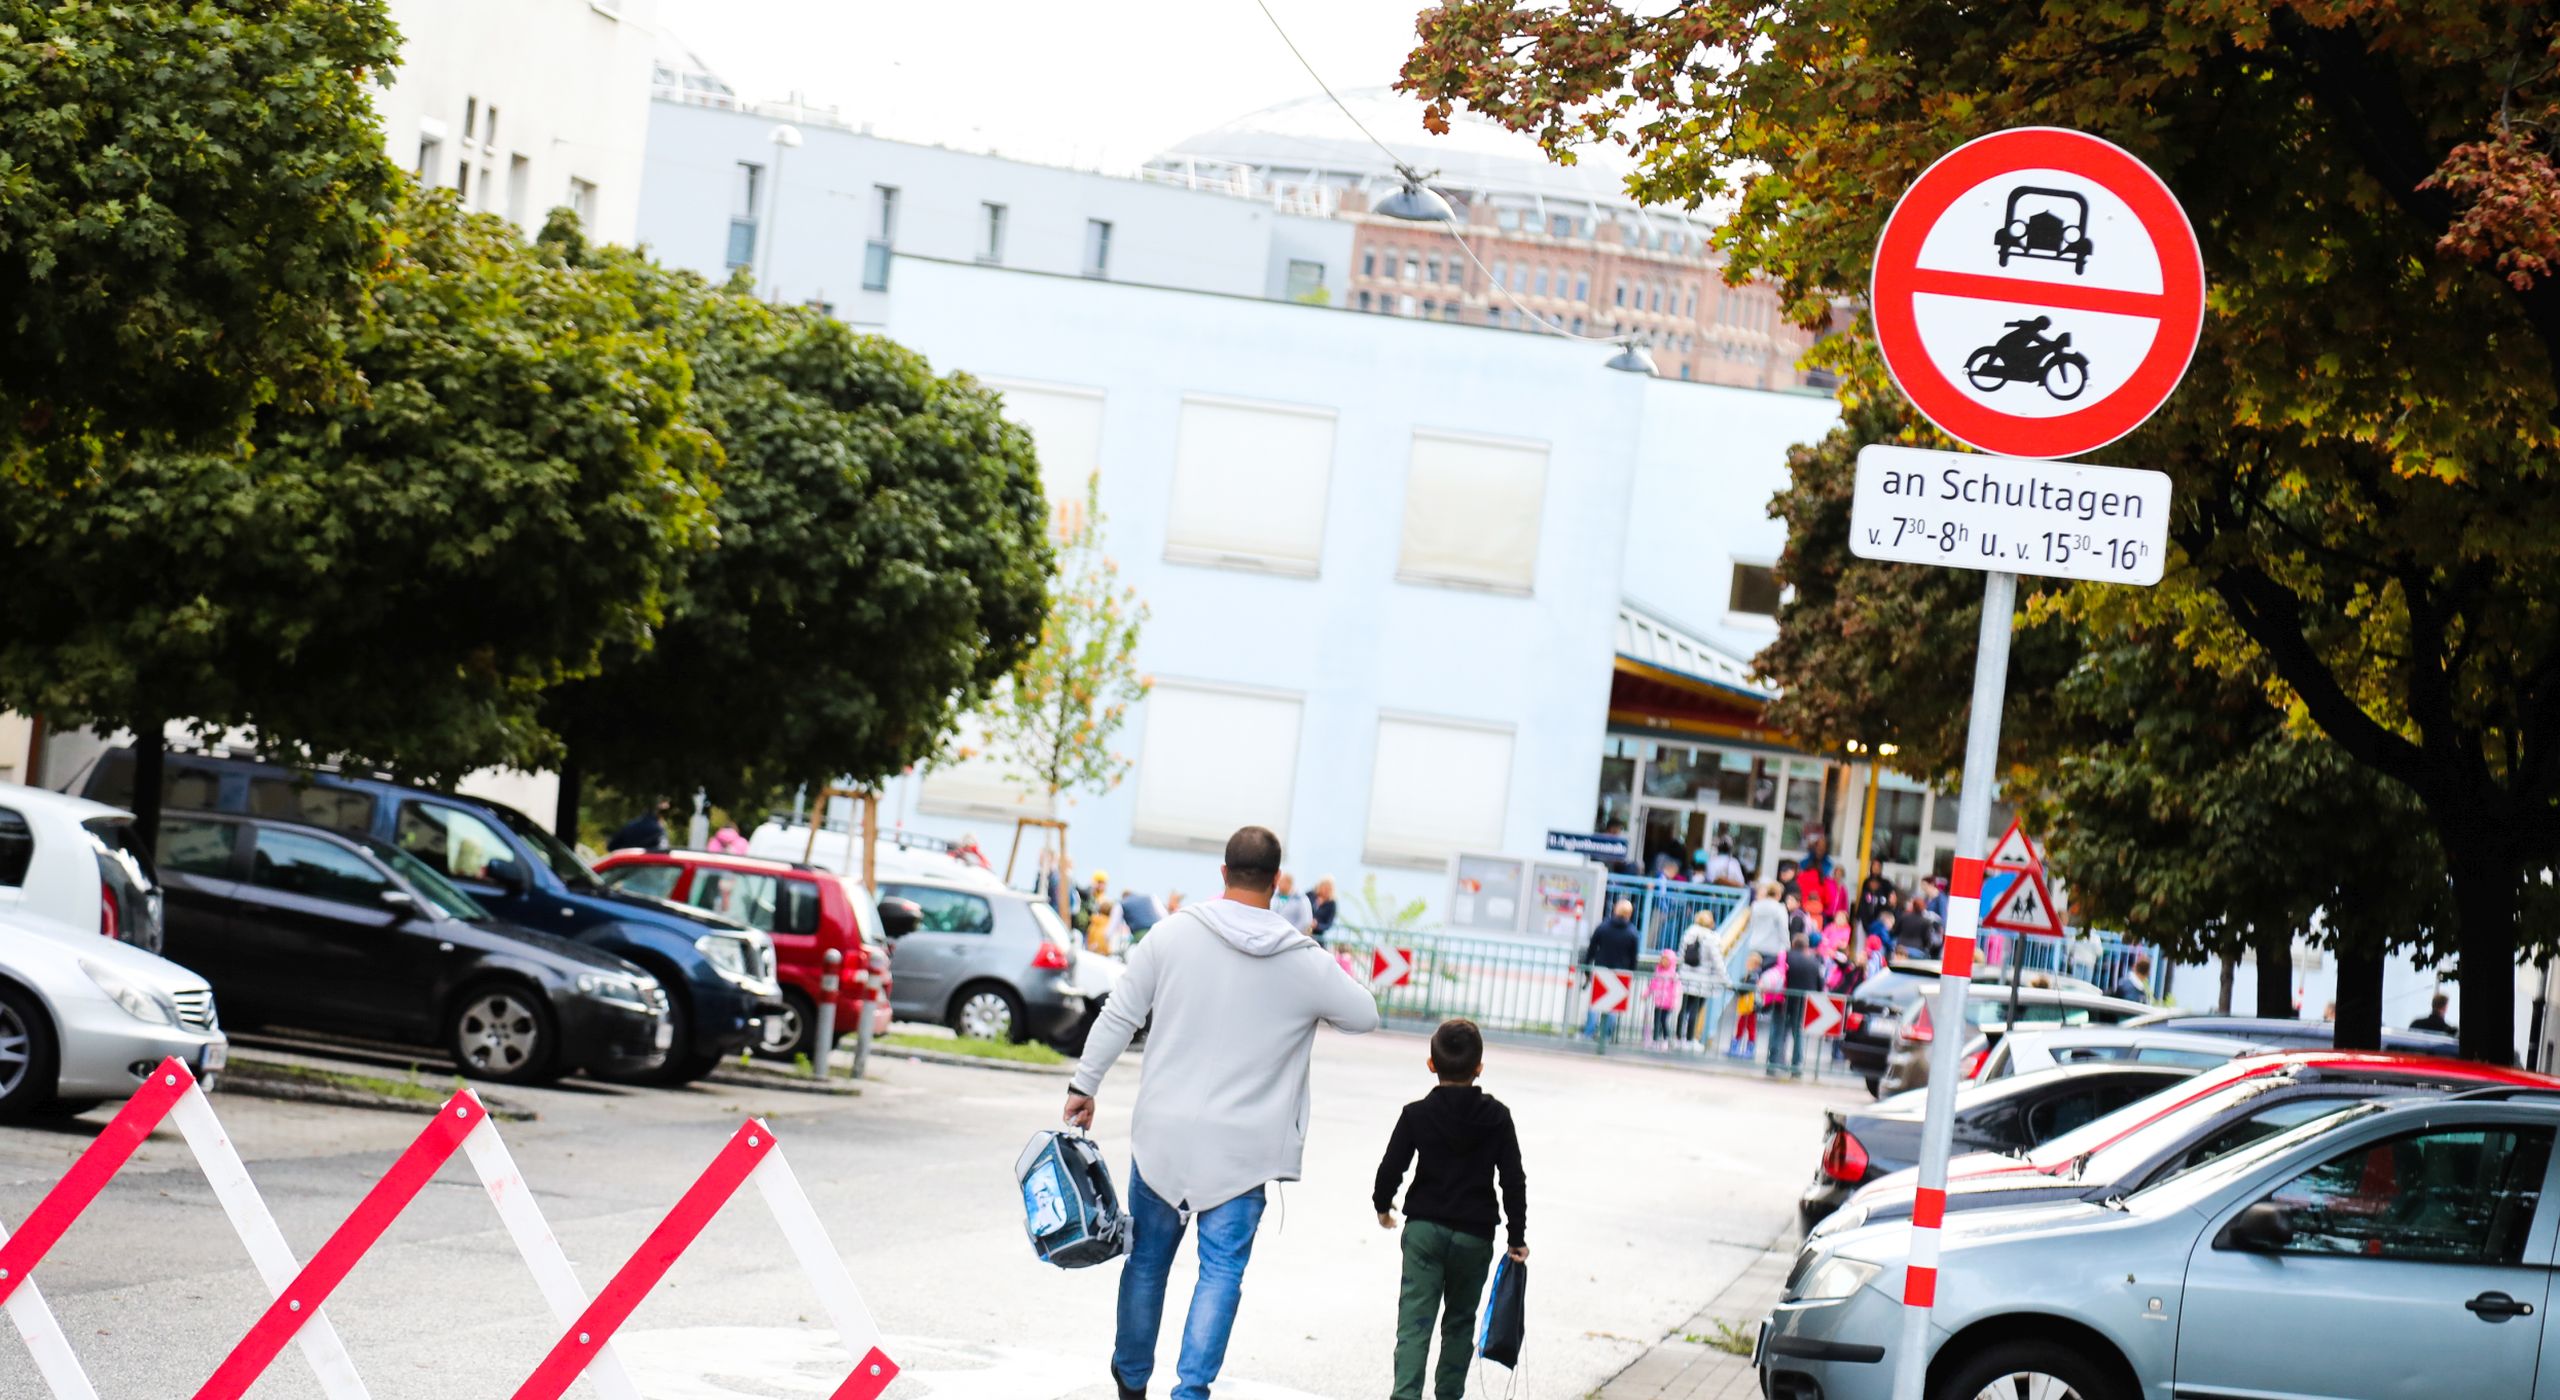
pixel 1689 982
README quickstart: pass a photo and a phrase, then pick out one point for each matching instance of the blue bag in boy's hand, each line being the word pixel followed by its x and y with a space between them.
pixel 1506 1313
pixel 1068 1205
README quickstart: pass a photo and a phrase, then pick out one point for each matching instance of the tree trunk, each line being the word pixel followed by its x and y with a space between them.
pixel 150 754
pixel 2230 973
pixel 2359 998
pixel 2275 975
pixel 564 811
pixel 2485 891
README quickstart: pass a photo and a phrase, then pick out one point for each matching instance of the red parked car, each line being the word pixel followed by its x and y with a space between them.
pixel 806 910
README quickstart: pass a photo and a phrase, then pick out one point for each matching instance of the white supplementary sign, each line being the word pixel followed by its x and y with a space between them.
pixel 1966 511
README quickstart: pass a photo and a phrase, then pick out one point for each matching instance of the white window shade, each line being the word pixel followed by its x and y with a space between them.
pixel 1213 759
pixel 1471 511
pixel 974 782
pixel 1065 423
pixel 1249 482
pixel 1437 787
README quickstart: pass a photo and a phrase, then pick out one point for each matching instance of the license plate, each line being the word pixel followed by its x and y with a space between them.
pixel 666 1033
pixel 1759 1343
pixel 214 1058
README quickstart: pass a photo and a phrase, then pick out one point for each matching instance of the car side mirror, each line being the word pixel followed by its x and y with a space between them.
pixel 899 917
pixel 2263 1228
pixel 399 901
pixel 507 874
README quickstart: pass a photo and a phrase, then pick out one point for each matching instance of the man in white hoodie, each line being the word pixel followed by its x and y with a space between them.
pixel 1237 994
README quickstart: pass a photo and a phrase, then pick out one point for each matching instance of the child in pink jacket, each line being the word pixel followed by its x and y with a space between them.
pixel 1664 992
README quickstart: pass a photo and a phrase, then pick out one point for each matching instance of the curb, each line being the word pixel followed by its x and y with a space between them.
pixel 256 1077
pixel 939 1057
pixel 844 1086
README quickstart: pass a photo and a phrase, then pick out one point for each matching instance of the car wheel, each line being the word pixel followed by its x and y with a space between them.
pixel 503 1031
pixel 789 1033
pixel 1072 1043
pixel 66 1108
pixel 682 1064
pixel 989 1011
pixel 2029 1371
pixel 28 1067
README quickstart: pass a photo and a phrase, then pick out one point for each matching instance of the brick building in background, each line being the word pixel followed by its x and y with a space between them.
pixel 1566 241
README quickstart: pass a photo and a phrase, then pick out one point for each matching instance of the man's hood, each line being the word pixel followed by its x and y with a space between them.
pixel 1248 929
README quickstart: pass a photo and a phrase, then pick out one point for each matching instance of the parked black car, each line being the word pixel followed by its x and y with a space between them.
pixel 303 927
pixel 2007 1115
pixel 718 974
pixel 2294 1035
pixel 1876 1009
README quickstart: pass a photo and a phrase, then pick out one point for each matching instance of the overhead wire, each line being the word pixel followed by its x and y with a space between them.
pixel 1448 227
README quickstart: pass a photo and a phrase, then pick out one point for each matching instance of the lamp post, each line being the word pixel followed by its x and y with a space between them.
pixel 1867 819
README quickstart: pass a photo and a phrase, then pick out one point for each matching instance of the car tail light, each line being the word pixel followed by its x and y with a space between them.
pixel 1973 1062
pixel 1844 1158
pixel 1053 956
pixel 1853 1021
pixel 110 923
pixel 1918 1030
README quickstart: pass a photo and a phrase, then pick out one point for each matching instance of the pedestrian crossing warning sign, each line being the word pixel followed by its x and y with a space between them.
pixel 2025 902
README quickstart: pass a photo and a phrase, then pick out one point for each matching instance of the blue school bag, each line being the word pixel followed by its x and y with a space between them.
pixel 1069 1208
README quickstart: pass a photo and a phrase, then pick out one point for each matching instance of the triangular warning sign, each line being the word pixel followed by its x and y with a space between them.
pixel 2013 851
pixel 2026 906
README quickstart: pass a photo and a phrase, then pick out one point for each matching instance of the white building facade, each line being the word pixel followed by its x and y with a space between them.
pixel 524 106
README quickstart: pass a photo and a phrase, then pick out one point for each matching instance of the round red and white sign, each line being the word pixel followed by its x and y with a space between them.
pixel 2038 293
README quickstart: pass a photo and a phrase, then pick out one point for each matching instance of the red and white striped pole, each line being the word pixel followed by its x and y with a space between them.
pixel 1955 978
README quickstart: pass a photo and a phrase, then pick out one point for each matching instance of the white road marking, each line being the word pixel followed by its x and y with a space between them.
pixel 758 1363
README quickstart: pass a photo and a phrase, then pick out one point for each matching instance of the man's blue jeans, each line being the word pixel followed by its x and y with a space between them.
pixel 1226 1244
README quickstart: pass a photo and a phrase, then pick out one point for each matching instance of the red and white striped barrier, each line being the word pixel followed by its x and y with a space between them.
pixel 300 1290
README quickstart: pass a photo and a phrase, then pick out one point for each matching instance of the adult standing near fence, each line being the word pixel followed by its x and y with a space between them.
pixel 1323 910
pixel 1613 945
pixel 2134 983
pixel 1703 982
pixel 1786 1025
pixel 1235 995
pixel 1767 933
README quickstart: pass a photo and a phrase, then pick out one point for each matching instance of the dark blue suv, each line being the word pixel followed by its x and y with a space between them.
pixel 719 975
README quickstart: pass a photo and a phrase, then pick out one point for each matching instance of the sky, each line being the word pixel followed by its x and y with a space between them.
pixel 1100 85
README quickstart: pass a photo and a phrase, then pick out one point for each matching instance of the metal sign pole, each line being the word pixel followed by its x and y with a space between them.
pixel 1964 913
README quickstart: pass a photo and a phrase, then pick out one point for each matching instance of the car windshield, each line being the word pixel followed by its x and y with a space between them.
pixel 430 885
pixel 2181 1189
pixel 866 915
pixel 563 861
pixel 2153 1123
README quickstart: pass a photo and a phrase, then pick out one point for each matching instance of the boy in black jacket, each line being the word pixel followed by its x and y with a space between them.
pixel 1465 1139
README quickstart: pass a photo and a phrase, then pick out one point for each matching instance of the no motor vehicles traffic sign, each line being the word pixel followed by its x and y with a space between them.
pixel 2038 293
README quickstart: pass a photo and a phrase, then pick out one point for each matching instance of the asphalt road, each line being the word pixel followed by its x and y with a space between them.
pixel 1650 1188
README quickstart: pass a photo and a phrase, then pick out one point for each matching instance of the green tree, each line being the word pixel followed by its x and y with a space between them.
pixel 392 578
pixel 1053 719
pixel 2362 450
pixel 191 197
pixel 881 559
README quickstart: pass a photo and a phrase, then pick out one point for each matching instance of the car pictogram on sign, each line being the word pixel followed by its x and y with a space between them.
pixel 2037 293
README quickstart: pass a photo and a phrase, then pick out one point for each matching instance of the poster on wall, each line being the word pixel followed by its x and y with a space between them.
pixel 1566 897
pixel 1485 893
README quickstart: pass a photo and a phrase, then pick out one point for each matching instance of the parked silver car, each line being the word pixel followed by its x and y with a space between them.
pixel 2390 1248
pixel 986 960
pixel 83 1018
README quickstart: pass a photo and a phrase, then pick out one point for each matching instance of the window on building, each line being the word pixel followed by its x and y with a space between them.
pixel 1511 318
pixel 1065 423
pixel 519 188
pixel 1249 484
pixel 1436 787
pixel 582 200
pixel 1622 293
pixel 1501 274
pixel 1430 308
pixel 1538 284
pixel 1803 805
pixel 1097 248
pixel 746 186
pixel 430 160
pixel 470 118
pixel 1412 268
pixel 489 128
pixel 1898 825
pixel 1431 269
pixel 1755 590
pixel 884 213
pixel 1471 511
pixel 1577 325
pixel 1493 315
pixel 1364 301
pixel 1368 264
pixel 972 781
pixel 462 180
pixel 1561 225
pixel 991 233
pixel 1404 306
pixel 1684 369
pixel 1306 280
pixel 1249 738
pixel 1506 218
pixel 1617 805
pixel 1581 287
pixel 1449 311
pixel 1692 310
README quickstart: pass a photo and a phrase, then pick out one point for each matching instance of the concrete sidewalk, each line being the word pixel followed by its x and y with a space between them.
pixel 1686 1365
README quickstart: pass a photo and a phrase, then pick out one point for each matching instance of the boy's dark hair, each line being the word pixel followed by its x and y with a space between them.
pixel 1457 1051
pixel 1253 859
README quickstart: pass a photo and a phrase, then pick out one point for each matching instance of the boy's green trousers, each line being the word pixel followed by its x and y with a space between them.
pixel 1443 1277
